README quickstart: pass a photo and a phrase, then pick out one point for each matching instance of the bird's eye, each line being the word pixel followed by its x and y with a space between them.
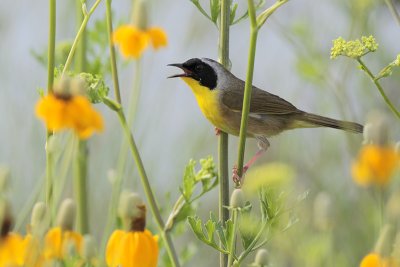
pixel 199 68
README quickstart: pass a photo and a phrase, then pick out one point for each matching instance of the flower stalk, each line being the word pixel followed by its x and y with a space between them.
pixel 148 191
pixel 248 85
pixel 232 241
pixel 86 17
pixel 50 81
pixel 114 71
pixel 223 52
pixel 379 86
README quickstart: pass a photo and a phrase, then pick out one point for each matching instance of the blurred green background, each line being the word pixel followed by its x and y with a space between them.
pixel 292 61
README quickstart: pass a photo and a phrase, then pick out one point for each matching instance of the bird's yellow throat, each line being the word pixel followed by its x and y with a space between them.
pixel 208 102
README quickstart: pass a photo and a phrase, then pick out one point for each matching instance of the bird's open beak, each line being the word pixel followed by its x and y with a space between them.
pixel 187 73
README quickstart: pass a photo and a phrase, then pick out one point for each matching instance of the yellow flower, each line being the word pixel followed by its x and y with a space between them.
pixel 375 165
pixel 375 260
pixel 57 243
pixel 73 112
pixel 12 250
pixel 132 249
pixel 134 41
pixel 33 253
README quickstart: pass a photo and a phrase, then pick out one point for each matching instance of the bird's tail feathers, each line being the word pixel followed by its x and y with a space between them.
pixel 312 120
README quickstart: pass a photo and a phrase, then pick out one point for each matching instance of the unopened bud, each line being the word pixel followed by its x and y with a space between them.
pixel 139 14
pixel 262 257
pixel 62 87
pixel 89 248
pixel 38 218
pixel 77 86
pixel 384 243
pixel 378 132
pixel 66 215
pixel 237 198
pixel 132 211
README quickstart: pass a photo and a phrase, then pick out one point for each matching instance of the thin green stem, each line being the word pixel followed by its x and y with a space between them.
pixel 50 81
pixel 86 17
pixel 80 186
pixel 393 10
pixel 223 52
pixel 148 191
pixel 114 71
pixel 81 153
pixel 249 249
pixel 380 89
pixel 232 241
pixel 248 86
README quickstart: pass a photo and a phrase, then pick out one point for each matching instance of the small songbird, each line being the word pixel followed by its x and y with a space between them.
pixel 220 97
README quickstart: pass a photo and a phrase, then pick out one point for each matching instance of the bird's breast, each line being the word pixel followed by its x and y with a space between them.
pixel 208 101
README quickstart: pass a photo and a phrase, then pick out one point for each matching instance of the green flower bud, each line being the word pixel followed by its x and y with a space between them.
pixel 38 219
pixel 88 248
pixel 66 215
pixel 237 199
pixel 132 211
pixel 139 14
pixel 262 258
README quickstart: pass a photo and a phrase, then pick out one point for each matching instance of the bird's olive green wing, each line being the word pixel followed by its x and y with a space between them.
pixel 261 102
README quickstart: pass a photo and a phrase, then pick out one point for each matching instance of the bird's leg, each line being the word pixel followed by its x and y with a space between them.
pixel 217 131
pixel 263 145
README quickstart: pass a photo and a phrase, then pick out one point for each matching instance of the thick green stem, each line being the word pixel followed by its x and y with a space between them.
pixel 80 160
pixel 223 51
pixel 50 81
pixel 248 86
pixel 114 71
pixel 80 186
pixel 86 17
pixel 148 191
pixel 380 89
pixel 232 241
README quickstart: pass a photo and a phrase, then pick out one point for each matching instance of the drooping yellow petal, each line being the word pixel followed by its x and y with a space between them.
pixel 132 249
pixel 33 253
pixel 375 165
pixel 58 242
pixel 158 37
pixel 131 41
pixel 75 112
pixel 12 250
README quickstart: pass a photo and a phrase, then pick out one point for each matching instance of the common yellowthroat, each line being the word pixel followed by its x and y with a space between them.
pixel 220 97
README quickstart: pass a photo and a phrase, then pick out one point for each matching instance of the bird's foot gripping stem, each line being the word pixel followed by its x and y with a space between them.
pixel 263 145
pixel 217 131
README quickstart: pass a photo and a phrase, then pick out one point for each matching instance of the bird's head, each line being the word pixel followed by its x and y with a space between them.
pixel 205 71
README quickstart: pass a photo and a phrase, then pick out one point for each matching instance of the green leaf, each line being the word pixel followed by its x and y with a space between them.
pixel 189 181
pixel 195 224
pixel 215 9
pixel 96 90
pixel 200 8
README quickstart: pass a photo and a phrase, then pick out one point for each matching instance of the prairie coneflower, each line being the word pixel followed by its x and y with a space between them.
pixel 133 246
pixel 61 111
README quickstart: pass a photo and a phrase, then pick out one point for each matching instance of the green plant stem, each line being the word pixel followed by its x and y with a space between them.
pixel 148 191
pixel 50 81
pixel 80 186
pixel 223 52
pixel 86 17
pixel 249 249
pixel 380 89
pixel 393 11
pixel 232 241
pixel 248 86
pixel 81 153
pixel 114 71
pixel 123 153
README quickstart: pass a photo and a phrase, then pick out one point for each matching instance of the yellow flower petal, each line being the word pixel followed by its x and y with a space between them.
pixel 57 243
pixel 131 40
pixel 375 260
pixel 12 250
pixel 132 249
pixel 75 113
pixel 33 253
pixel 375 164
pixel 158 37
